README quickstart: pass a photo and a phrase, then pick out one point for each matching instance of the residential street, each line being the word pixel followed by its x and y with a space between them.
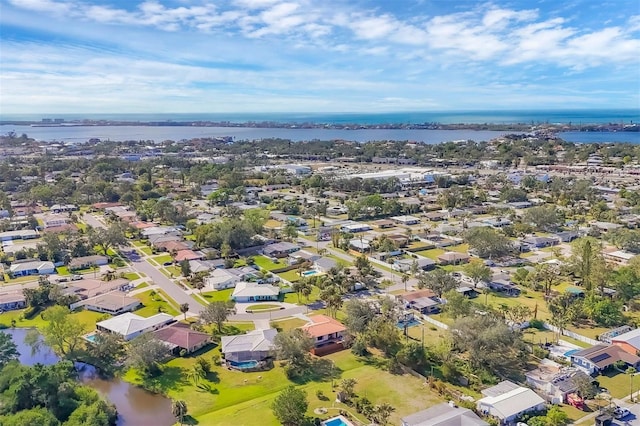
pixel 168 286
pixel 137 264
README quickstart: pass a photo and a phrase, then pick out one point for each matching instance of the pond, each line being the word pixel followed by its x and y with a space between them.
pixel 135 405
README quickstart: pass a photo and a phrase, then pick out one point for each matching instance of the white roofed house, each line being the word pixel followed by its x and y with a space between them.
pixel 253 292
pixel 130 326
pixel 507 401
pixel 23 268
pixel 220 279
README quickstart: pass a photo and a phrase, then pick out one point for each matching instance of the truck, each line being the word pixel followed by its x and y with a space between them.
pixel 576 401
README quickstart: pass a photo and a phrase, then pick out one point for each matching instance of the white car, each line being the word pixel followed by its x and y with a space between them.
pixel 621 413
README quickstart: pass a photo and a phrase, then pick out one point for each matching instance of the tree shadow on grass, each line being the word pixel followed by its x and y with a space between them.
pixel 189 420
pixel 171 379
pixel 374 361
pixel 318 370
pixel 213 377
pixel 207 388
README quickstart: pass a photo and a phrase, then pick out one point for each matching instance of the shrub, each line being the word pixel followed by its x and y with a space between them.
pixel 216 359
pixel 540 352
pixel 537 324
pixel 204 364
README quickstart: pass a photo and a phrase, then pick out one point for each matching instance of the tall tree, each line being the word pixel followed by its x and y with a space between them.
pixel 489 243
pixel 217 312
pixel 8 349
pixel 107 351
pixel 107 238
pixel 489 343
pixel 63 332
pixel 179 409
pixel 585 253
pixel 145 353
pixel 478 272
pixel 184 308
pixel 439 281
pixel 290 406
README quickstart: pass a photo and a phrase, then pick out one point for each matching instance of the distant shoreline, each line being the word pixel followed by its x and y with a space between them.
pixel 510 127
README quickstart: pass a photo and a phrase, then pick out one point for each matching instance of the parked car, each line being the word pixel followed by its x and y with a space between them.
pixel 61 280
pixel 621 413
pixel 76 277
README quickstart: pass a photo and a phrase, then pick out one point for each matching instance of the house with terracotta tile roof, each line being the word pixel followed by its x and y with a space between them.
pixel 188 255
pixel 179 336
pixel 327 334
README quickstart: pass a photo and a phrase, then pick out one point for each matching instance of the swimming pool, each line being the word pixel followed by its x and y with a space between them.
pixel 242 365
pixel 411 323
pixel 571 352
pixel 308 273
pixel 337 421
pixel 91 337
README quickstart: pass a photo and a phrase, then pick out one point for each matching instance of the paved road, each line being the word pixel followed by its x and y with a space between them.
pixel 172 289
pixel 138 264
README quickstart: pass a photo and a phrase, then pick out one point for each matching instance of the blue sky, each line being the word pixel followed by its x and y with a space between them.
pixel 108 56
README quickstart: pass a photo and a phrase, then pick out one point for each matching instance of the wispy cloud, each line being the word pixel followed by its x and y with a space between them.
pixel 327 55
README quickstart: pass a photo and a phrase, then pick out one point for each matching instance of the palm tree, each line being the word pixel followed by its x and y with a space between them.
pixel 404 280
pixel 184 308
pixel 179 410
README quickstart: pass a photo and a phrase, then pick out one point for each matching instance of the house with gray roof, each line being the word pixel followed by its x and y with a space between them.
pixel 445 414
pixel 256 345
pixel 324 264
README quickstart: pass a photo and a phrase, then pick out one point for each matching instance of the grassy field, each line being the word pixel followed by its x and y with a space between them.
pixel 155 304
pixel 230 397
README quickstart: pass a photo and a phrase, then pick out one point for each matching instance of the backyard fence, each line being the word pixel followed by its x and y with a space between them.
pixel 571 334
pixel 435 322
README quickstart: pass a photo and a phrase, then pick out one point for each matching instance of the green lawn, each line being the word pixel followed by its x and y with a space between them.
pixel 62 270
pixel 288 324
pixel 293 297
pixel 262 307
pixel 266 263
pixel 220 295
pixel 291 276
pixel 618 384
pixel 432 254
pixel 131 276
pixel 162 259
pixel 155 304
pixel 87 318
pixel 176 271
pixel 230 397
